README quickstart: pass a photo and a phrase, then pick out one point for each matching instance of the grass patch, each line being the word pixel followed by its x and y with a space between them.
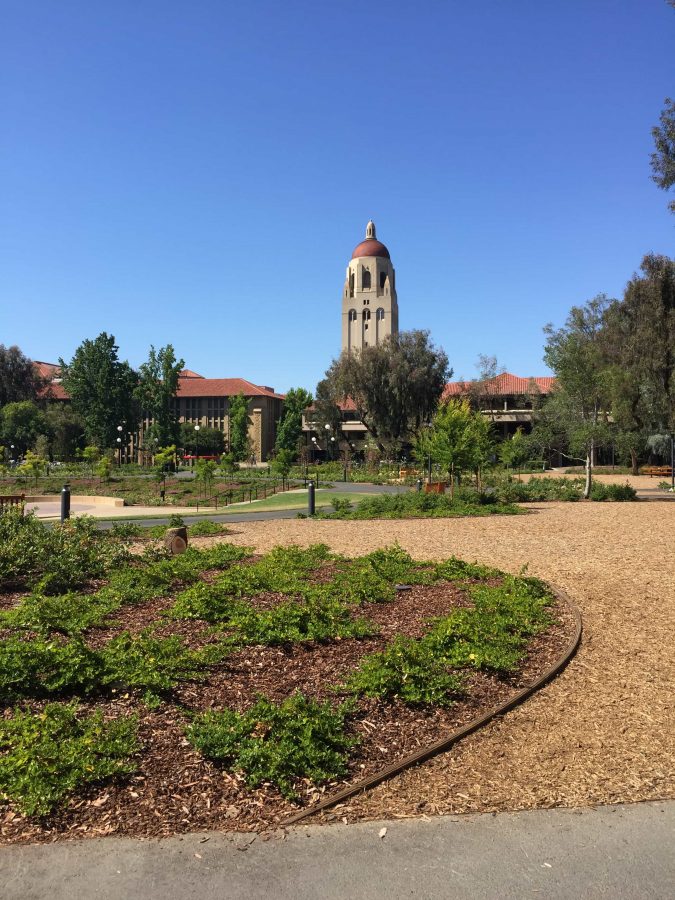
pixel 46 756
pixel 277 743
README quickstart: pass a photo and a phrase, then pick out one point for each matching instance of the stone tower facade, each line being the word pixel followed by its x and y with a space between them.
pixel 369 304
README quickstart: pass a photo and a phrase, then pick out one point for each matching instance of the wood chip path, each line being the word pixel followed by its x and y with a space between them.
pixel 604 730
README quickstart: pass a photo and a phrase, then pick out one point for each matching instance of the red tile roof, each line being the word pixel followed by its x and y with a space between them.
pixel 188 373
pixel 223 387
pixel 47 370
pixel 502 386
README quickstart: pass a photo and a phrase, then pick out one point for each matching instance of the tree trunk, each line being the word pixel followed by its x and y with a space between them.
pixel 452 482
pixel 589 472
pixel 634 462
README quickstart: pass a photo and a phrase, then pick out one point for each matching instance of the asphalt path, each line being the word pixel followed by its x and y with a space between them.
pixel 617 852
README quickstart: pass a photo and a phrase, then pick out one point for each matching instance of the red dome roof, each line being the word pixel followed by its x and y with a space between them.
pixel 370 247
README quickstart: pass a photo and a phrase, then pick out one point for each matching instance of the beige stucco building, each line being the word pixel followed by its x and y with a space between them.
pixel 369 304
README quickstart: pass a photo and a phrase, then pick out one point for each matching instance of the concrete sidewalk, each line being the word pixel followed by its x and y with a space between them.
pixel 616 852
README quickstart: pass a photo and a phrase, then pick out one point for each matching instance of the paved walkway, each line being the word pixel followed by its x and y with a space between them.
pixel 161 514
pixel 618 852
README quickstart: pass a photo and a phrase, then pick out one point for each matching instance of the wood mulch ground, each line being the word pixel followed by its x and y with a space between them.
pixel 177 790
pixel 604 730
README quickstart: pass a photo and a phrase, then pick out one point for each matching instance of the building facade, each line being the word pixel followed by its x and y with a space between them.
pixel 199 401
pixel 369 303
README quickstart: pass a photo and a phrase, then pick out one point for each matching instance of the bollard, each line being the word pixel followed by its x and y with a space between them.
pixel 65 502
pixel 419 485
pixel 310 499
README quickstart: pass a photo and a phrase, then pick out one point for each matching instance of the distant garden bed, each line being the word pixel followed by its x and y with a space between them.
pixel 219 689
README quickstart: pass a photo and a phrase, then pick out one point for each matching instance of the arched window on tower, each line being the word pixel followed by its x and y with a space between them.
pixel 383 278
pixel 351 284
pixel 379 322
pixel 366 319
pixel 365 279
pixel 351 328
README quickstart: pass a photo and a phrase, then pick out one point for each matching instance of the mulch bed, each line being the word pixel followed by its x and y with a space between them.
pixel 176 790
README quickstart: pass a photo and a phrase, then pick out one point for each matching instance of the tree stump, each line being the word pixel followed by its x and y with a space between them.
pixel 176 540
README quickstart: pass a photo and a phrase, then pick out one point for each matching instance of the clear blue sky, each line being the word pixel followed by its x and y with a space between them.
pixel 199 172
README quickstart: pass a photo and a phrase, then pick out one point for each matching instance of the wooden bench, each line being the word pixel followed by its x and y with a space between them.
pixel 657 471
pixel 9 501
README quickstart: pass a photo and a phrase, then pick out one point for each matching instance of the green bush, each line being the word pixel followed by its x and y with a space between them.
pixel 417 505
pixel 42 667
pixel 454 569
pixel 45 757
pixel 144 661
pixel 491 635
pixel 292 622
pixel 407 670
pixel 206 528
pixel 54 559
pixel 66 613
pixel 298 738
pixel 615 492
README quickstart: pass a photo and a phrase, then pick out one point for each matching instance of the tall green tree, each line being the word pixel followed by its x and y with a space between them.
pixel 19 379
pixel 102 390
pixel 21 424
pixel 641 331
pixel 156 391
pixel 67 430
pixel 211 440
pixel 395 386
pixel 289 427
pixel 663 157
pixel 459 440
pixel 574 418
pixel 240 444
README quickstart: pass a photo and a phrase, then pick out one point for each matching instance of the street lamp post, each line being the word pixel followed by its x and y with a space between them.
pixel 672 460
pixel 197 427
pixel 314 446
pixel 120 429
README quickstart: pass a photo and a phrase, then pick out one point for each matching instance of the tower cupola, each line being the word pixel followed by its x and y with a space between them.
pixel 369 304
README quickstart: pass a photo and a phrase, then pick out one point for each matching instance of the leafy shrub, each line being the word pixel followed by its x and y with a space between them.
pixel 341 504
pixel 44 757
pixel 615 492
pixel 454 569
pixel 205 528
pixel 176 521
pixel 396 565
pixel 144 661
pixel 41 667
pixel 490 636
pixel 406 670
pixel 417 505
pixel 298 738
pixel 55 559
pixel 126 531
pixel 293 622
pixel 493 634
pixel 67 613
